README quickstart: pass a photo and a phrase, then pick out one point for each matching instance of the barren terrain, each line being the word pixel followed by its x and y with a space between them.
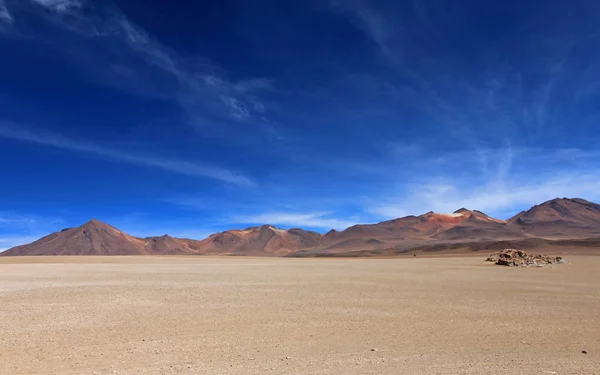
pixel 203 315
pixel 560 225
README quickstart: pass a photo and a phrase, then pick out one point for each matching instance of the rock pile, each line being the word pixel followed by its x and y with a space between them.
pixel 519 258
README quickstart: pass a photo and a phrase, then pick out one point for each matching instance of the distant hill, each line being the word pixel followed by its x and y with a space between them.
pixel 263 240
pixel 559 218
pixel 92 238
pixel 559 222
pixel 97 238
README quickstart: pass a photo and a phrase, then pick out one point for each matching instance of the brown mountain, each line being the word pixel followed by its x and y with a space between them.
pixel 469 230
pixel 92 238
pixel 263 240
pixel 559 218
pixel 554 223
pixel 168 245
pixel 462 224
pixel 97 238
pixel 475 225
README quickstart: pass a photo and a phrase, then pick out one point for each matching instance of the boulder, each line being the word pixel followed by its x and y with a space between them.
pixel 519 258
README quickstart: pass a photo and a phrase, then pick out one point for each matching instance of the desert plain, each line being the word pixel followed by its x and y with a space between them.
pixel 243 315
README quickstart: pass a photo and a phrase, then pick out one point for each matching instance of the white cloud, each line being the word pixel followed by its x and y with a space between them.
pixel 16 220
pixel 252 85
pixel 372 22
pixel 140 42
pixel 59 6
pixel 499 181
pixel 316 219
pixel 172 165
pixel 25 221
pixel 498 98
pixel 490 197
pixel 5 16
pixel 237 108
pixel 201 93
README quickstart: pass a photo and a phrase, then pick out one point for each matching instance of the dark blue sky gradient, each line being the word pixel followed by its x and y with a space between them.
pixel 193 117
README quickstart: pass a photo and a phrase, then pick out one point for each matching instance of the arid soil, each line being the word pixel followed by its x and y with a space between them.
pixel 201 315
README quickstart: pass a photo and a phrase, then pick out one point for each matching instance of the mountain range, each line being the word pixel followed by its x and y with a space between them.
pixel 559 223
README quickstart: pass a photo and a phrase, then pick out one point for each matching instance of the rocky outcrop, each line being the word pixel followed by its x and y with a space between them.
pixel 519 258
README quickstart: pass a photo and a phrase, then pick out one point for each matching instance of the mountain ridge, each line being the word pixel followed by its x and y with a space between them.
pixel 556 219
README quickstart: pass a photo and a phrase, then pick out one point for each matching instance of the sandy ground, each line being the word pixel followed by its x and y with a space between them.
pixel 164 315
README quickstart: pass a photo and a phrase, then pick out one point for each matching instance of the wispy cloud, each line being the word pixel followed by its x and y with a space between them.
pixel 11 131
pixel 371 21
pixel 324 220
pixel 447 197
pixel 5 16
pixel 8 218
pixel 488 95
pixel 11 220
pixel 59 6
pixel 495 188
pixel 497 181
pixel 202 90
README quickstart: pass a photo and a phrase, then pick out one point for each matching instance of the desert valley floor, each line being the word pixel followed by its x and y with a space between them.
pixel 201 315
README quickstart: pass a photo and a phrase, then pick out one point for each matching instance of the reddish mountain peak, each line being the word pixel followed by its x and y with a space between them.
pixel 91 238
pixel 565 199
pixel 582 201
pixel 261 240
pixel 264 227
pixel 96 224
pixel 269 227
pixel 560 218
pixel 164 237
pixel 466 211
pixel 93 222
pixel 300 231
pixel 475 215
pixel 400 221
pixel 437 216
pixel 564 202
pixel 565 209
pixel 166 244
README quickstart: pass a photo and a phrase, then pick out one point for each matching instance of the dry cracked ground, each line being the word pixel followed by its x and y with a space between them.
pixel 199 315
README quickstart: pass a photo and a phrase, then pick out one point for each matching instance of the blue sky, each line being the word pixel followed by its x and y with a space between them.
pixel 188 119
